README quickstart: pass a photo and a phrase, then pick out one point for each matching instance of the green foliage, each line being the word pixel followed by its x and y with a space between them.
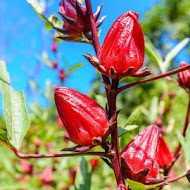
pixel 16 116
pixel 39 8
pixel 139 186
pixel 83 179
pixel 156 58
pixel 185 142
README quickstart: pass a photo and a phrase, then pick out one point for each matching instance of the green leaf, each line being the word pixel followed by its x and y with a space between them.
pixel 39 8
pixel 152 53
pixel 134 118
pixel 83 179
pixel 134 185
pixel 54 20
pixel 15 113
pixel 122 131
pixel 172 54
pixel 153 109
pixel 185 142
pixel 77 66
pixel 4 140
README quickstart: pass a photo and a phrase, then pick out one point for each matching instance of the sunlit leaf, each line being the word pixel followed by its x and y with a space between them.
pixel 134 185
pixel 122 131
pixel 172 54
pixel 15 113
pixel 153 109
pixel 152 53
pixel 39 8
pixel 75 67
pixel 4 140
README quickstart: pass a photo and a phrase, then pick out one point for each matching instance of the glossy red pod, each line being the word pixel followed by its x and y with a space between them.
pixel 84 119
pixel 165 158
pixel 122 52
pixel 76 24
pixel 184 77
pixel 139 158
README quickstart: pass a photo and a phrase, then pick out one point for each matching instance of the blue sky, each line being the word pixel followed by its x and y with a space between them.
pixel 23 38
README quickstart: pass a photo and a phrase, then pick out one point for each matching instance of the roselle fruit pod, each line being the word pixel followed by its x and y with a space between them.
pixel 85 121
pixel 122 52
pixel 76 26
pixel 139 158
pixel 165 158
pixel 184 77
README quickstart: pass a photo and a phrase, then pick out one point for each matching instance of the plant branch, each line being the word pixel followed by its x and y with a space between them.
pixel 116 160
pixel 111 98
pixel 154 78
pixel 96 43
pixel 170 180
pixel 101 154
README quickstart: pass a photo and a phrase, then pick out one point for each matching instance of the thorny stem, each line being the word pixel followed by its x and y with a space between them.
pixel 20 155
pixel 153 78
pixel 111 97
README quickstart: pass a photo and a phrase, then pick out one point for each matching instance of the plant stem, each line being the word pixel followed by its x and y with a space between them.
pixel 174 179
pixel 111 98
pixel 96 43
pixel 20 155
pixel 154 78
pixel 116 161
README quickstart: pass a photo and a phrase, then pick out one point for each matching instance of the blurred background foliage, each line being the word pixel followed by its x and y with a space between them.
pixel 161 102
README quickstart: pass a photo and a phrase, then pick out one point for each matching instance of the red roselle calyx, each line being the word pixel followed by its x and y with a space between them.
pixel 122 53
pixel 139 158
pixel 76 25
pixel 165 158
pixel 184 77
pixel 85 121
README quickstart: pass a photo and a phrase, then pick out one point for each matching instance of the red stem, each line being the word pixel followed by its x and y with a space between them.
pixel 154 78
pixel 174 179
pixel 111 98
pixel 20 155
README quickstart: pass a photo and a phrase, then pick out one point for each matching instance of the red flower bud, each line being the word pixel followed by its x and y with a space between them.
pixel 54 46
pixel 47 176
pixel 84 119
pixel 76 21
pixel 139 158
pixel 122 53
pixel 54 64
pixel 26 166
pixel 184 77
pixel 62 74
pixel 94 163
pixel 165 157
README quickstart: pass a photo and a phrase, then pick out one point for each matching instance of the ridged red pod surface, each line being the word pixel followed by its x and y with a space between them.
pixel 139 158
pixel 122 52
pixel 165 157
pixel 184 77
pixel 84 119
